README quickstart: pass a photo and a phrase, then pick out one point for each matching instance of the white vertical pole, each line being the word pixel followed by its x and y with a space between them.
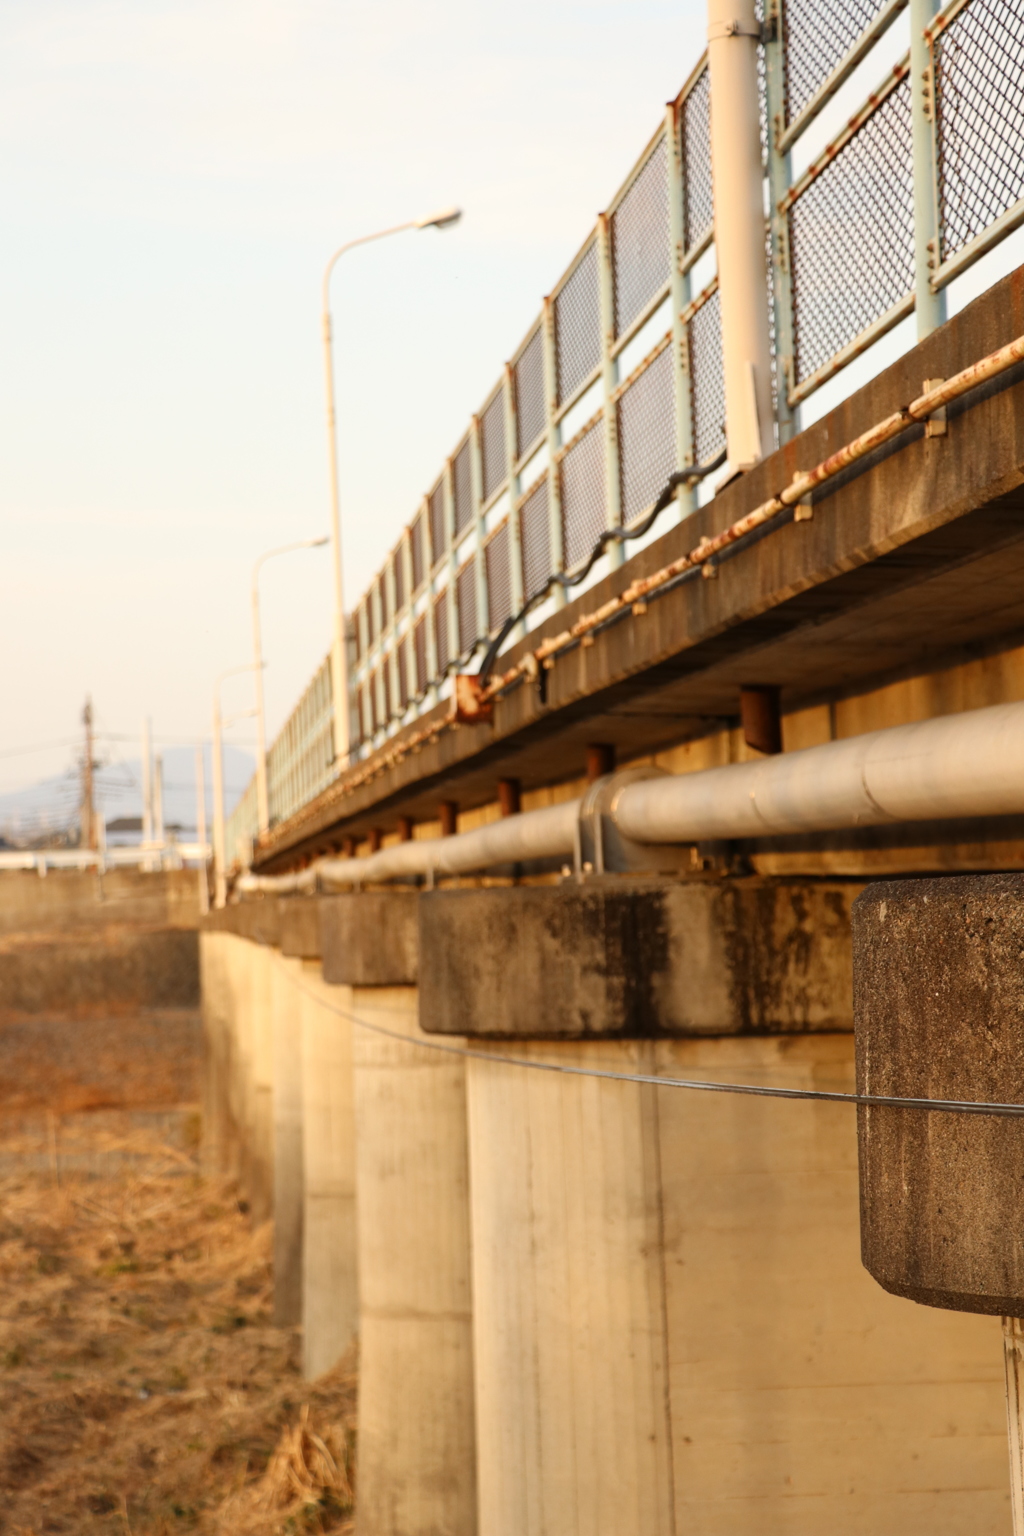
pixel 1013 1345
pixel 733 39
pixel 204 887
pixel 549 342
pixel 686 496
pixel 147 782
pixel 220 889
pixel 930 307
pixel 609 379
pixel 262 796
pixel 158 800
pixel 339 658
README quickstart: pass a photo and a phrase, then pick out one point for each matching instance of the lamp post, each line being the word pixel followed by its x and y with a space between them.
pixel 339 663
pixel 220 886
pixel 262 794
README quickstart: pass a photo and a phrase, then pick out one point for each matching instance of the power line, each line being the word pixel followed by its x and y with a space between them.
pixel 752 1090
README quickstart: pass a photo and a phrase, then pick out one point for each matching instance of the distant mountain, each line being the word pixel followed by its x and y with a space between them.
pixel 52 804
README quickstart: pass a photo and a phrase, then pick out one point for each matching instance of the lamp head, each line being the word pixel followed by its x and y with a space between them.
pixel 316 543
pixel 442 220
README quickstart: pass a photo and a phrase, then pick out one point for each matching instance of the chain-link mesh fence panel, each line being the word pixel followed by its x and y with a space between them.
pixel 698 196
pixel 852 236
pixel 535 536
pixel 465 586
pixel 435 511
pixel 419 564
pixel 498 572
pixel 441 640
pixel 707 380
pixel 640 238
pixel 419 648
pixel 493 449
pixel 578 324
pixel 817 35
pixel 979 87
pixel 529 376
pixel 647 435
pixel 462 489
pixel 583 499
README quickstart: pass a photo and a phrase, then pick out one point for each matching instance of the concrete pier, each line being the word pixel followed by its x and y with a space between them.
pixel 671 1328
pixel 286 1099
pixel 417 1463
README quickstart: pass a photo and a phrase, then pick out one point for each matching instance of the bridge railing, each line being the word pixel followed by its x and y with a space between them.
pixel 619 380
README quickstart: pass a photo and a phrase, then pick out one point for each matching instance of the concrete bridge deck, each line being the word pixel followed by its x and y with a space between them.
pixel 911 561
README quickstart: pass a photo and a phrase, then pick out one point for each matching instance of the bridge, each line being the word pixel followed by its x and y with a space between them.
pixel 623 382
pixel 530 1017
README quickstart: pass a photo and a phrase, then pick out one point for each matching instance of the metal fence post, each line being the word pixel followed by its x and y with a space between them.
pixel 405 555
pixel 515 549
pixel 388 643
pixel 431 586
pixel 930 307
pixel 453 559
pixel 734 36
pixel 679 298
pixel 476 480
pixel 779 180
pixel 609 379
pixel 549 344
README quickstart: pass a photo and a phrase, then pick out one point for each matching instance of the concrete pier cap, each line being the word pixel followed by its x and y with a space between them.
pixel 637 958
pixel 939 1013
pixel 370 938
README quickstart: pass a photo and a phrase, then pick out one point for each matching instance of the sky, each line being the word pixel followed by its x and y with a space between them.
pixel 173 177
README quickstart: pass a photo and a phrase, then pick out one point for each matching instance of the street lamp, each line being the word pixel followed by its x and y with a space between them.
pixel 262 795
pixel 339 665
pixel 220 886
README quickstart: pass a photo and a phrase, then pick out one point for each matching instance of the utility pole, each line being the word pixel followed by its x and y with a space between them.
pixel 158 802
pixel 147 783
pixel 204 883
pixel 87 817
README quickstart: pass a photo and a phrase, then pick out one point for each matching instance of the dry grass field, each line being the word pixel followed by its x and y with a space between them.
pixel 143 1388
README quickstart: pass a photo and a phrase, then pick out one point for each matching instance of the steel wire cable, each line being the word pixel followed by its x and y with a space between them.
pixel 697 1085
pixel 609 536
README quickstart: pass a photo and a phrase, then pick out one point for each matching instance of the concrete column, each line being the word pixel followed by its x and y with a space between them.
pixel 330 1300
pixel 416 1432
pixel 241 1088
pixel 219 1145
pixel 259 960
pixel 288 1183
pixel 569 1300
pixel 672 1331
pixel 417 1473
